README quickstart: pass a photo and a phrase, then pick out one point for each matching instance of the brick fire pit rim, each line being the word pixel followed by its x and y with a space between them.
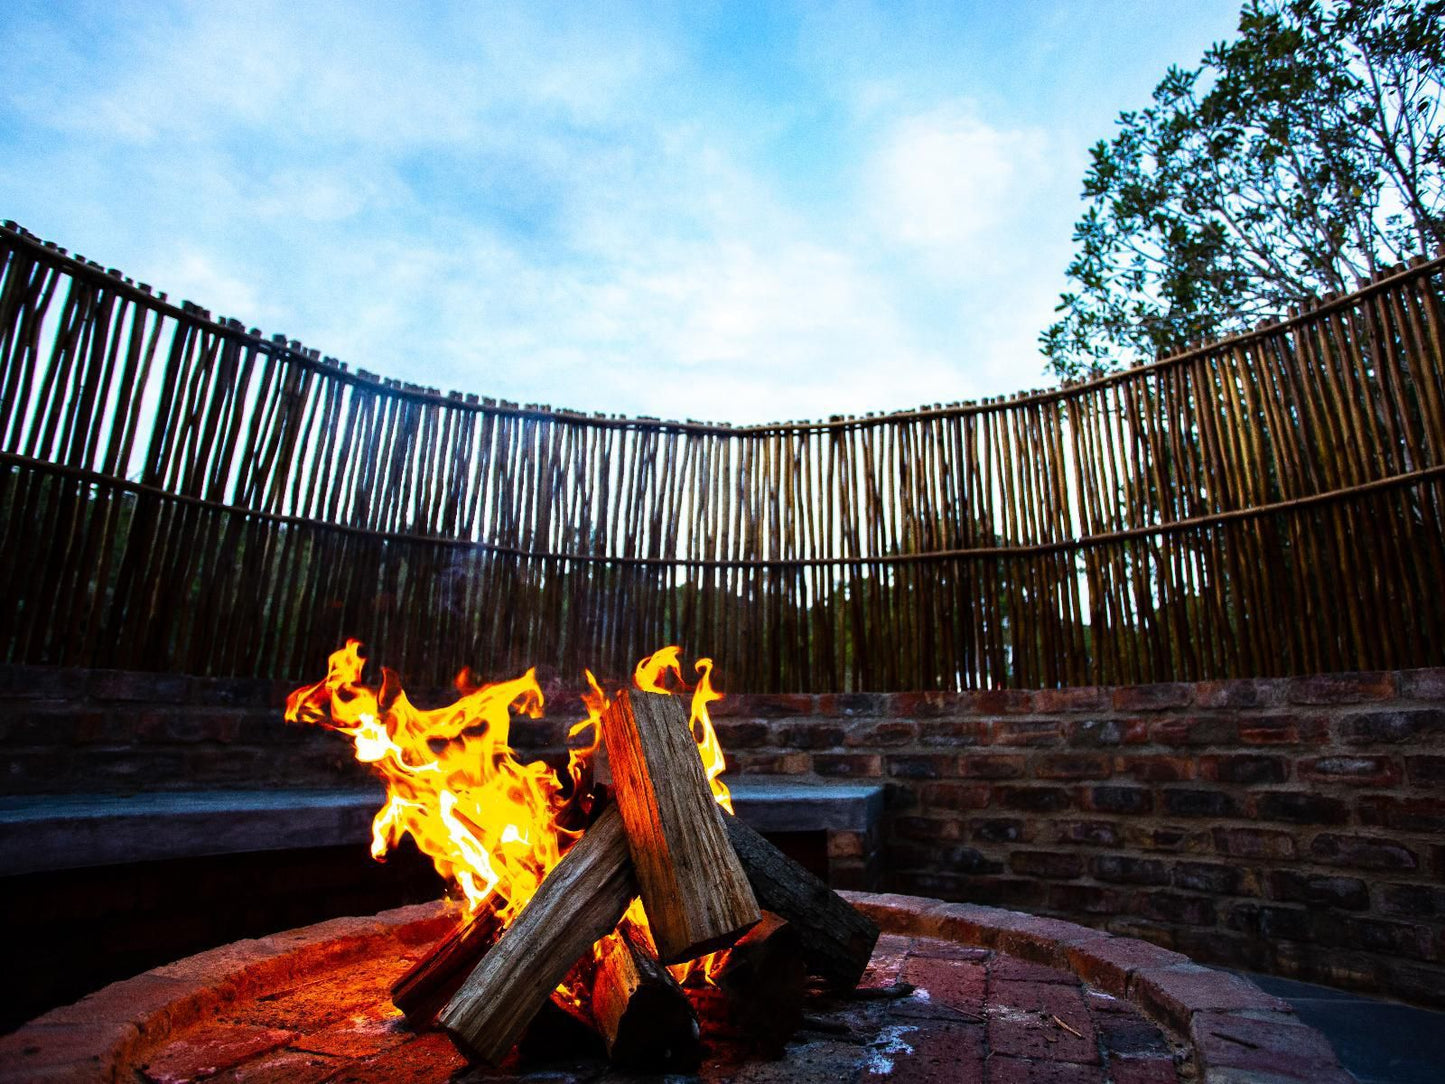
pixel 109 1032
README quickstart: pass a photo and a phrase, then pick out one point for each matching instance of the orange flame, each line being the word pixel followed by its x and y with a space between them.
pixel 492 825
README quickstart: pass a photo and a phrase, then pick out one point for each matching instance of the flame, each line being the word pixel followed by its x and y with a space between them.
pixel 492 825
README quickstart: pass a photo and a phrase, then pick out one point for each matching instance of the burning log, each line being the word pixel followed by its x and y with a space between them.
pixel 643 1014
pixel 693 888
pixel 836 938
pixel 764 981
pixel 582 898
pixel 430 982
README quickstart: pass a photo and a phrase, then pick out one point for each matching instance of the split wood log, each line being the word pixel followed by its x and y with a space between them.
pixel 643 1014
pixel 764 980
pixel 837 939
pixel 693 888
pixel 430 982
pixel 582 898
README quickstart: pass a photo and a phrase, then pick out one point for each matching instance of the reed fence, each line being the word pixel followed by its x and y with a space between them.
pixel 181 493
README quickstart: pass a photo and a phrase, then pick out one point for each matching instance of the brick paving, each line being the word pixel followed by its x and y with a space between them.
pixel 957 1014
pixel 954 992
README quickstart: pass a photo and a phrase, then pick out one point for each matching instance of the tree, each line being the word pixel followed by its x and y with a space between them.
pixel 1300 157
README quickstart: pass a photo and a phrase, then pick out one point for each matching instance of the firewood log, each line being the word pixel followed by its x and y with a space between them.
pixel 837 939
pixel 643 1014
pixel 764 979
pixel 693 888
pixel 581 899
pixel 430 982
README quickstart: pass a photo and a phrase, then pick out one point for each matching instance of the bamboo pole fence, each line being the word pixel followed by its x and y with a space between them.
pixel 182 493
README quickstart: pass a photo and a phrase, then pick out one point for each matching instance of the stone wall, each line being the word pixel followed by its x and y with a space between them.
pixel 1295 826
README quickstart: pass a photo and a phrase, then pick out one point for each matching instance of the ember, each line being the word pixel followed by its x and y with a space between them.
pixel 578 892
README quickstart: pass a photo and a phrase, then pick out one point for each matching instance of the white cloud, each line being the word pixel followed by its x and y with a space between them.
pixel 947 181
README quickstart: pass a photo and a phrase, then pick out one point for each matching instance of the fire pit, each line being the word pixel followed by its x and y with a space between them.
pixel 954 992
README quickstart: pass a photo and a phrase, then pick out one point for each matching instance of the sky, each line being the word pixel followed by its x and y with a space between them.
pixel 740 212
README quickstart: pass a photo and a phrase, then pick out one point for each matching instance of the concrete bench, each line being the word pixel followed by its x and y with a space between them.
pixel 43 833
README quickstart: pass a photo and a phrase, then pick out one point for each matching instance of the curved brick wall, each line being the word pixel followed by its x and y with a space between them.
pixel 1295 826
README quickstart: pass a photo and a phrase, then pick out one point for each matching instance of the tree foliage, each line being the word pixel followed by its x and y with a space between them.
pixel 1295 160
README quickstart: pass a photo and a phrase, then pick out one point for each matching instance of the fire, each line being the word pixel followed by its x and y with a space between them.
pixel 492 825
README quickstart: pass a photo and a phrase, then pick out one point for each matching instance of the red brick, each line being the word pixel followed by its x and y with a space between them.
pixel 1424 684
pixel 1362 852
pixel 1195 730
pixel 1004 1070
pixel 860 765
pixel 952 733
pixel 1030 937
pixel 1092 833
pixel 1425 771
pixel 947 984
pixel 885 966
pixel 220 1046
pixel 426 1057
pixel 889 732
pixel 1012 969
pixel 808 734
pixel 130 685
pixel 735 734
pixel 766 706
pixel 1390 727
pixel 1253 843
pixel 873 705
pixel 991 767
pixel 1065 766
pixel 1151 1070
pixel 955 795
pixel 931 705
pixel 1109 963
pixel 1238 693
pixel 1300 808
pixel 1419 901
pixel 1197 802
pixel 1078 698
pixel 923 766
pixel 1424 815
pixel 1051 864
pixel 1175 909
pixel 1033 799
pixel 1356 771
pixel 1284 730
pixel 1125 869
pixel 1236 768
pixel 283 1067
pixel 1002 830
pixel 1157 769
pixel 997 701
pixel 1175 994
pixel 1267 1043
pixel 749 763
pixel 1152 697
pixel 74 1052
pixel 1021 1024
pixel 1112 799
pixel 1351 688
pixel 1024 732
pixel 1106 733
pixel 1076 899
pixel 1209 877
pixel 925 1051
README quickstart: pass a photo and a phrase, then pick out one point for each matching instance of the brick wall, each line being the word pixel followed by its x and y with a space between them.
pixel 1294 826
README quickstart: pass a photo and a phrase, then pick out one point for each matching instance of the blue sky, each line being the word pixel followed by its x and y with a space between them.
pixel 726 211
